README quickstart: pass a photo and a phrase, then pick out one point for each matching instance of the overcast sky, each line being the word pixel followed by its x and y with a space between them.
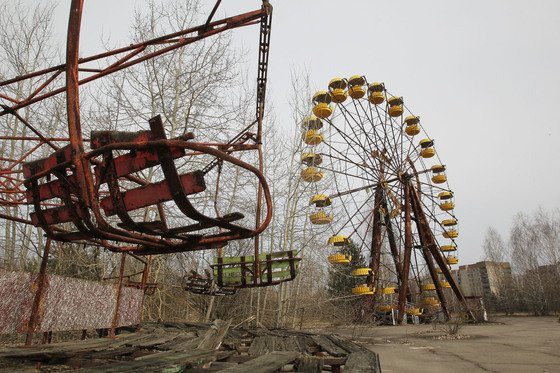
pixel 483 75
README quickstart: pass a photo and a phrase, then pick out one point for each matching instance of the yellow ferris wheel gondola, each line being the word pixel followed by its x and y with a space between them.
pixel 311 159
pixel 438 176
pixel 311 174
pixel 320 218
pixel 448 248
pixel 395 106
pixel 337 88
pixel 320 200
pixel 451 233
pixel 431 301
pixel 427 146
pixel 363 289
pixel 449 222
pixel 446 200
pixel 414 311
pixel 412 125
pixel 387 290
pixel 322 109
pixel 339 258
pixel 386 308
pixel 376 93
pixel 356 88
pixel 312 123
pixel 360 272
pixel 452 260
pixel 338 240
pixel 428 287
pixel 313 137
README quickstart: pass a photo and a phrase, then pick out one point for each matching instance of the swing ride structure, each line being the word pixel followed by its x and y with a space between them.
pixel 89 190
pixel 376 182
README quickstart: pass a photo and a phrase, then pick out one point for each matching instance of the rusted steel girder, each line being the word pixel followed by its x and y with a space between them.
pixel 404 288
pixel 119 294
pixel 174 187
pixel 431 247
pixel 71 180
pixel 40 281
pixel 392 242
pixel 173 41
pixel 376 238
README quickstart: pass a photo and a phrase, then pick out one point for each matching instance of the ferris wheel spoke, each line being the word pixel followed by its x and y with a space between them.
pixel 392 156
pixel 362 127
pixel 340 153
pixel 346 160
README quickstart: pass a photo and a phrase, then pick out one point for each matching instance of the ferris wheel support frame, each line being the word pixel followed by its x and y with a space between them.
pixel 429 249
pixel 404 290
pixel 376 239
pixel 432 249
pixel 392 242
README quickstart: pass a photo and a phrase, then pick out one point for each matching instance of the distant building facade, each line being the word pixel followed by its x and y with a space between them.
pixel 484 279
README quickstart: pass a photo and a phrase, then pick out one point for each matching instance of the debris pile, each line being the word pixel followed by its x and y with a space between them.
pixel 191 347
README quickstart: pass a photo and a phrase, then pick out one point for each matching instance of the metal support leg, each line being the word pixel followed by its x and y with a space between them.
pixel 41 280
pixel 118 302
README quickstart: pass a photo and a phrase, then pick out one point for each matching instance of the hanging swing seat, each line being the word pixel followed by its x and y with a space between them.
pixel 206 286
pixel 238 271
pixel 99 196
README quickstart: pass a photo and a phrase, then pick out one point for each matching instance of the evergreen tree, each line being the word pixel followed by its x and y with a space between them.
pixel 341 281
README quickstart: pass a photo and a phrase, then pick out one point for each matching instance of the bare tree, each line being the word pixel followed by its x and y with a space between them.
pixel 495 248
pixel 499 272
pixel 26 44
pixel 535 243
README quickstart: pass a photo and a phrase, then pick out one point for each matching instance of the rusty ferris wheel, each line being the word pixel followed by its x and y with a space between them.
pixel 376 187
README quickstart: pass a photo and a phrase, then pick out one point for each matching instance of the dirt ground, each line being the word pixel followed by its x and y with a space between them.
pixel 510 344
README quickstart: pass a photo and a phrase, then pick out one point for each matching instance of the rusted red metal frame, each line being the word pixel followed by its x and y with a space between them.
pixel 174 182
pixel 177 39
pixel 41 280
pixel 375 249
pixel 72 67
pixel 118 301
pixel 432 249
pixel 144 240
pixel 392 242
pixel 376 238
pixel 83 176
pixel 404 287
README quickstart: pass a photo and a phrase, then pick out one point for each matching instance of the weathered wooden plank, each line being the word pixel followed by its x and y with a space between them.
pixel 182 339
pixel 214 337
pixel 168 361
pixel 110 353
pixel 327 345
pixel 309 364
pixel 216 366
pixel 46 352
pixel 155 340
pixel 362 362
pixel 266 363
pixel 345 343
pixel 260 346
